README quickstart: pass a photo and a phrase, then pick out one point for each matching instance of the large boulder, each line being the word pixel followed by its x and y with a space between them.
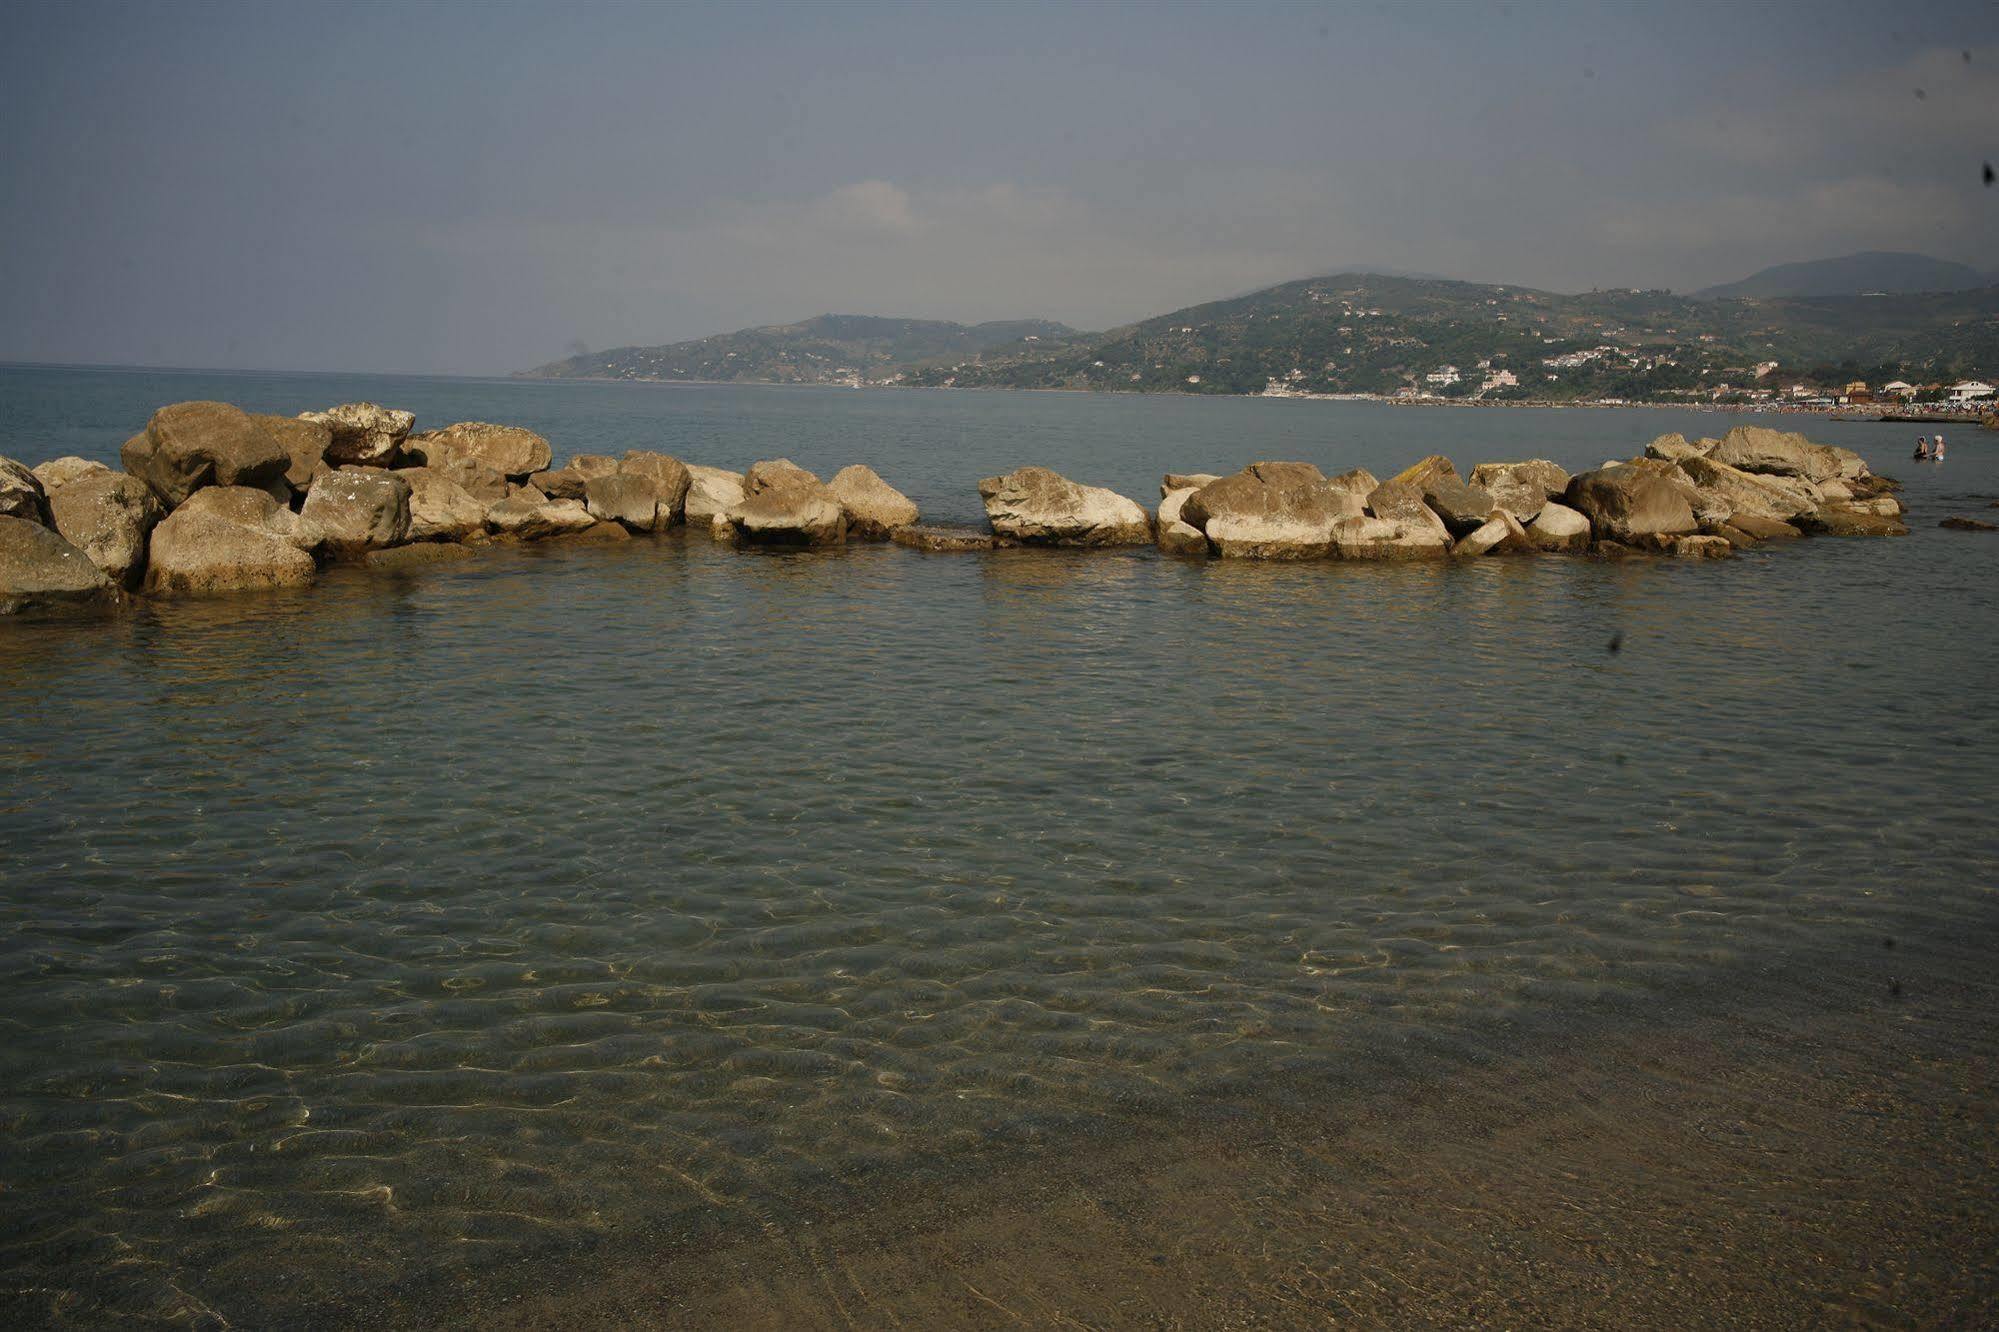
pixel 1777 453
pixel 1373 538
pixel 874 507
pixel 189 445
pixel 1559 528
pixel 306 441
pixel 669 477
pixel 568 481
pixel 59 472
pixel 38 570
pixel 363 433
pixel 509 450
pixel 21 493
pixel 1173 481
pixel 1743 492
pixel 1521 488
pixel 108 516
pixel 1673 448
pixel 1464 508
pixel 529 515
pixel 711 493
pixel 1433 468
pixel 1040 507
pixel 1758 528
pixel 1272 511
pixel 359 511
pixel 476 479
pixel 1628 505
pixel 226 539
pixel 1178 538
pixel 783 504
pixel 440 508
pixel 1170 506
pixel 630 500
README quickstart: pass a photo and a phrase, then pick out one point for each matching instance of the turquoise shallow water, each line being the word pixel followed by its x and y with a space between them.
pixel 563 896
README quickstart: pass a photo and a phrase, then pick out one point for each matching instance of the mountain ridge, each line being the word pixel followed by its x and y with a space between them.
pixel 1862 273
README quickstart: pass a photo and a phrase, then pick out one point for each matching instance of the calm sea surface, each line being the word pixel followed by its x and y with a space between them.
pixel 656 892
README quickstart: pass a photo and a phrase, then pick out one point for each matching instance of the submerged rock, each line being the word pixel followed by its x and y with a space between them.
pixel 58 472
pixel 509 450
pixel 1968 525
pixel 874 507
pixel 1375 538
pixel 363 433
pixel 21 493
pixel 418 555
pixel 40 570
pixel 935 537
pixel 191 445
pixel 108 516
pixel 1040 507
pixel 359 511
pixel 1625 504
pixel 1702 548
pixel 1836 520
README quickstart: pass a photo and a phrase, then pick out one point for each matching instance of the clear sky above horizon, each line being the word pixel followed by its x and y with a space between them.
pixel 477 188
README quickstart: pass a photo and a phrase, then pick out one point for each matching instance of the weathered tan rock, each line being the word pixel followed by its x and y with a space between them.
pixel 189 445
pixel 1702 548
pixel 874 507
pixel 1178 538
pixel 597 534
pixel 1763 529
pixel 632 501
pixel 1559 528
pixel 1779 453
pixel 1501 533
pixel 57 472
pixel 1173 481
pixel 1464 508
pixel 304 441
pixel 711 493
pixel 1885 506
pixel 934 537
pixel 783 504
pixel 1170 505
pixel 1626 503
pixel 508 450
pixel 1835 520
pixel 357 512
pixel 1374 538
pixel 1436 467
pixel 440 508
pixel 1742 492
pixel 1040 507
pixel 21 493
pixel 1272 511
pixel 1672 448
pixel 568 481
pixel 1521 488
pixel 1358 480
pixel 529 515
pixel 481 482
pixel 669 478
pixel 108 516
pixel 363 433
pixel 226 539
pixel 39 571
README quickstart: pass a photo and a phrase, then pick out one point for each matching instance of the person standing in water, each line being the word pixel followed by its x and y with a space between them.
pixel 1922 453
pixel 1936 453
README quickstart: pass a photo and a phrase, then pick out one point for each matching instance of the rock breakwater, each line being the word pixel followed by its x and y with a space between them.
pixel 215 499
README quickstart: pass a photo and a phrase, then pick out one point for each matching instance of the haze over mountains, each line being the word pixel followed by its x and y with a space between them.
pixel 1370 332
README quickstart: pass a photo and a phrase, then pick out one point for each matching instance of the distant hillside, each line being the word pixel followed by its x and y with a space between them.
pixel 1366 333
pixel 829 349
pixel 1854 275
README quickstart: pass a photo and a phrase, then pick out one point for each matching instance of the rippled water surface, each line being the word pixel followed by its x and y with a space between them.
pixel 569 895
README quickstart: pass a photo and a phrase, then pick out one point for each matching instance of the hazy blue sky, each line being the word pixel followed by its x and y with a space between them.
pixel 470 187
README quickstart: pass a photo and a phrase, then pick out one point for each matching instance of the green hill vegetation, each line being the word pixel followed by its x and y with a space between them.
pixel 1367 333
pixel 829 349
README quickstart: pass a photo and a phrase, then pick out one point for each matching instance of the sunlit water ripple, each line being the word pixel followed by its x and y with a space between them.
pixel 568 893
